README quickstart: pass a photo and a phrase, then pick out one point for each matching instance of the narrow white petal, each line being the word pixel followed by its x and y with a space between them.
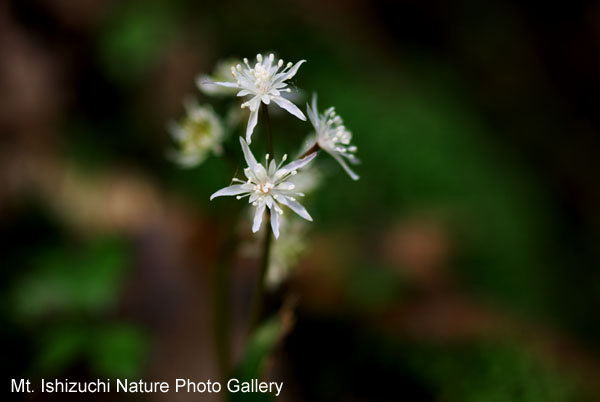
pixel 251 124
pixel 244 92
pixel 342 162
pixel 250 159
pixel 231 190
pixel 294 69
pixel 258 216
pixel 289 106
pixel 298 163
pixel 275 223
pixel 295 206
pixel 313 113
pixel 222 84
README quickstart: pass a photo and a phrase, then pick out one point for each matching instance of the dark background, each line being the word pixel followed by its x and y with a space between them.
pixel 463 266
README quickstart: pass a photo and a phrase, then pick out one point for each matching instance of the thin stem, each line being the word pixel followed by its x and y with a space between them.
pixel 259 288
pixel 312 149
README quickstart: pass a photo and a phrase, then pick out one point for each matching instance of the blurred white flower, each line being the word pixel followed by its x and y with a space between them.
pixel 199 133
pixel 268 188
pixel 221 73
pixel 286 252
pixel 332 136
pixel 264 83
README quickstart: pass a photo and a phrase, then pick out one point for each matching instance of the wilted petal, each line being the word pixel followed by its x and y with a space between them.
pixel 231 190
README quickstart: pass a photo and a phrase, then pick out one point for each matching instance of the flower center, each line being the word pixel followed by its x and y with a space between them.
pixel 262 78
pixel 265 188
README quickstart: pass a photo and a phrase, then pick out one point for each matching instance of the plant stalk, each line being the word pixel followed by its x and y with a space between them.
pixel 259 289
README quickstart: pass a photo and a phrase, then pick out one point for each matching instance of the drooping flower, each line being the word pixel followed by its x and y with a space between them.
pixel 197 134
pixel 333 137
pixel 268 187
pixel 263 83
pixel 221 73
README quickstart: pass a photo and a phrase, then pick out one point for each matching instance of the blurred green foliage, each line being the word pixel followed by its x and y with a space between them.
pixel 66 303
pixel 492 372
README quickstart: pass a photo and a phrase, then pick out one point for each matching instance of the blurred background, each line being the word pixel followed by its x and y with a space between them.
pixel 463 266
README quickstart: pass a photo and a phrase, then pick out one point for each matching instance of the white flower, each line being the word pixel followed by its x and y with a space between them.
pixel 332 136
pixel 264 83
pixel 268 188
pixel 198 133
pixel 222 72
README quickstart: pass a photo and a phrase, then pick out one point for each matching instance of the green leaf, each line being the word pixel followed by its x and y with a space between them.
pixel 261 344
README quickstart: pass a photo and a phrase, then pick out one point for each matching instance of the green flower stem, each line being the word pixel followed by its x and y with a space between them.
pixel 259 289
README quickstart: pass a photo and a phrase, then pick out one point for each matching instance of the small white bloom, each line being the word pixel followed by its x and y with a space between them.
pixel 222 72
pixel 198 133
pixel 268 188
pixel 332 136
pixel 263 83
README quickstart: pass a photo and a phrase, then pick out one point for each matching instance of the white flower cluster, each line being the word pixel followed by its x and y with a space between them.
pixel 197 134
pixel 269 187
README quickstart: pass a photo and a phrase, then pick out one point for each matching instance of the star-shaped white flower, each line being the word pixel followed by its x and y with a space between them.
pixel 264 83
pixel 268 188
pixel 333 137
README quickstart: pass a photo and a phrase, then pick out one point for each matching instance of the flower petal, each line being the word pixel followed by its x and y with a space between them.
pixel 275 223
pixel 251 124
pixel 258 216
pixel 295 206
pixel 231 190
pixel 294 69
pixel 222 84
pixel 297 164
pixel 312 112
pixel 342 162
pixel 289 106
pixel 250 159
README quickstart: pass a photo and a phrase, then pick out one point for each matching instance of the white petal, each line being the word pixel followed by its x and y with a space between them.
pixel 222 84
pixel 176 131
pixel 297 164
pixel 258 216
pixel 294 69
pixel 295 206
pixel 275 223
pixel 250 159
pixel 289 106
pixel 251 124
pixel 312 113
pixel 342 162
pixel 231 190
pixel 244 92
